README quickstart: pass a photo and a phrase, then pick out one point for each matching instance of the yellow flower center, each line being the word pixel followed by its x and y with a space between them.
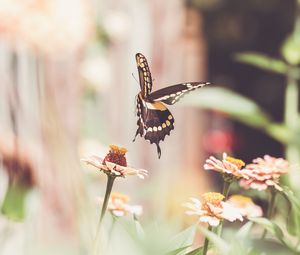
pixel 117 149
pixel 119 196
pixel 238 162
pixel 240 200
pixel 212 197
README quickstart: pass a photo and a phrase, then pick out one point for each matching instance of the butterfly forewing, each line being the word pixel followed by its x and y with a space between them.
pixel 171 95
pixel 144 74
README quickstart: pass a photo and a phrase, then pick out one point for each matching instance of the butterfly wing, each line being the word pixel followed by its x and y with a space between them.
pixel 170 95
pixel 144 74
pixel 155 121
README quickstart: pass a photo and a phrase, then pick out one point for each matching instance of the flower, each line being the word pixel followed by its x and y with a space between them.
pixel 118 206
pixel 264 172
pixel 228 166
pixel 115 163
pixel 212 210
pixel 30 23
pixel 245 205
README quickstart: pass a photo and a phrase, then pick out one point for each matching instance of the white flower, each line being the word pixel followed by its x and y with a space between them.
pixel 213 209
pixel 115 163
pixel 245 205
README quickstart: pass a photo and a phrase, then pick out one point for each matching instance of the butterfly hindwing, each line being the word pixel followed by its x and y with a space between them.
pixel 144 74
pixel 155 121
pixel 159 124
pixel 170 95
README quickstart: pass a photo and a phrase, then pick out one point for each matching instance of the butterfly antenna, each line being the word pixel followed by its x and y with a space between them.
pixel 134 78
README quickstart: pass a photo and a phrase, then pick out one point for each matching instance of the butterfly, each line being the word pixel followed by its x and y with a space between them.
pixel 155 121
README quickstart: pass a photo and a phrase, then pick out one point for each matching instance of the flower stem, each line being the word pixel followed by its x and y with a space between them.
pixel 270 209
pixel 291 106
pixel 109 185
pixel 226 188
pixel 225 193
pixel 206 242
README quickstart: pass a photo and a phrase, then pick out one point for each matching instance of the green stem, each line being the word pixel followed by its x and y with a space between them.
pixel 206 242
pixel 114 219
pixel 271 208
pixel 226 188
pixel 109 185
pixel 291 115
pixel 225 193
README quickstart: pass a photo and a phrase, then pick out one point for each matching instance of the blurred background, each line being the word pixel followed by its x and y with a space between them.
pixel 68 87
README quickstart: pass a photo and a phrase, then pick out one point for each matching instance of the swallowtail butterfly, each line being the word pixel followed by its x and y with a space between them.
pixel 155 121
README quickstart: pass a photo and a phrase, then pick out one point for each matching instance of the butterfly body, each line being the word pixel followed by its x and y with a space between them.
pixel 155 121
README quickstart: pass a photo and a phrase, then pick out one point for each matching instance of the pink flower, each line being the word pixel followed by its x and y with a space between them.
pixel 264 172
pixel 228 165
pixel 119 207
pixel 245 205
pixel 212 209
pixel 115 163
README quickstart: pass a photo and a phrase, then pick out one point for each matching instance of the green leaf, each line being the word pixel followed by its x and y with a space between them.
pixel 139 229
pixel 218 242
pixel 238 107
pixel 14 202
pixel 183 239
pixel 244 231
pixel 271 227
pixel 293 217
pixel 197 251
pixel 262 61
pixel 279 132
pixel 290 49
pixel 178 251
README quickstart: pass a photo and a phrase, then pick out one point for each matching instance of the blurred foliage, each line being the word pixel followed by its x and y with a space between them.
pixel 14 202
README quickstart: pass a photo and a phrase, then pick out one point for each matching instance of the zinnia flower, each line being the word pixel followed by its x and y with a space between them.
pixel 245 205
pixel 119 207
pixel 227 166
pixel 264 172
pixel 212 209
pixel 115 163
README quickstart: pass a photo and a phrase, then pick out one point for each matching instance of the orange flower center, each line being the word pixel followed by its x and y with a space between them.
pixel 213 198
pixel 119 196
pixel 240 200
pixel 116 155
pixel 238 162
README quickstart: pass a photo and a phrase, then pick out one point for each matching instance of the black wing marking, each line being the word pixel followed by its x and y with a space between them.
pixel 170 95
pixel 159 124
pixel 154 123
pixel 141 113
pixel 144 74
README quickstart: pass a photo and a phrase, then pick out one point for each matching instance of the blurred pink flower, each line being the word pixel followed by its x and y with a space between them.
pixel 119 207
pixel 264 172
pixel 56 26
pixel 245 205
pixel 115 163
pixel 218 140
pixel 212 210
pixel 228 165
